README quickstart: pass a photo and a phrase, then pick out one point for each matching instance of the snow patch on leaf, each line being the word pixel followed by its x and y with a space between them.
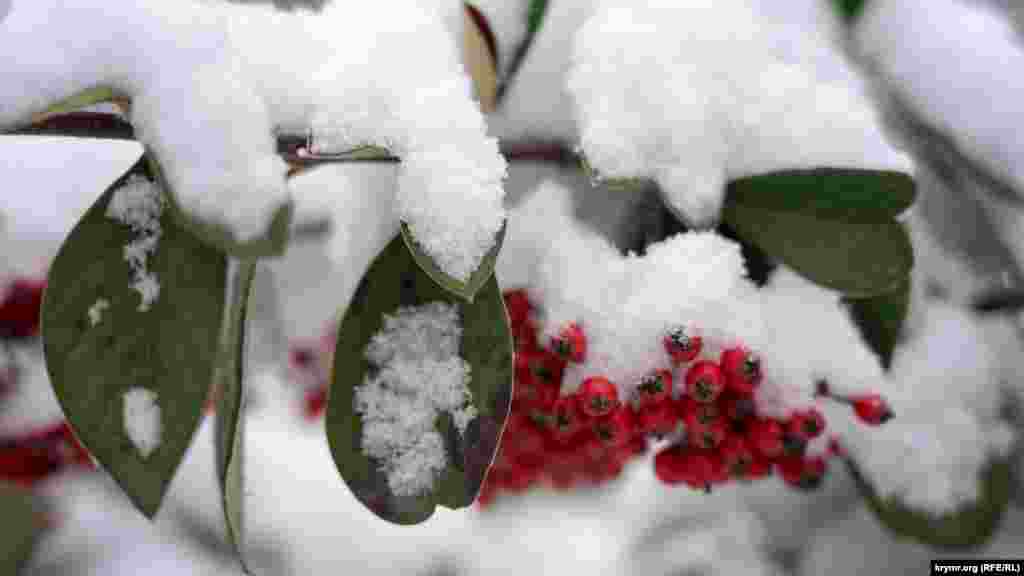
pixel 139 204
pixel 419 375
pixel 142 420
pixel 96 311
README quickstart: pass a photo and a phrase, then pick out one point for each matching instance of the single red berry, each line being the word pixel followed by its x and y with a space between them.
pixel 699 469
pixel 742 370
pixel 525 336
pixel 765 437
pixel 696 414
pixel 704 381
pixel 571 344
pixel 568 418
pixel 872 409
pixel 314 402
pixel 719 469
pixel 682 346
pixel 760 467
pixel 518 305
pixel 708 435
pixel 616 428
pixel 806 424
pixel 738 407
pixel 655 388
pixel 20 308
pixel 670 465
pixel 737 454
pixel 600 396
pixel 658 419
pixel 803 473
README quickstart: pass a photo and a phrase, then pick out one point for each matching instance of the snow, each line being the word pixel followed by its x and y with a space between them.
pixel 646 108
pixel 96 311
pixel 419 376
pixel 210 108
pixel 142 421
pixel 945 390
pixel 918 46
pixel 139 204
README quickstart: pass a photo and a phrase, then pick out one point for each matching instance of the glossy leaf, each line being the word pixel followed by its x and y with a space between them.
pixel 968 528
pixel 272 243
pixel 465 290
pixel 395 280
pixel 818 224
pixel 229 428
pixel 22 527
pixel 880 319
pixel 170 349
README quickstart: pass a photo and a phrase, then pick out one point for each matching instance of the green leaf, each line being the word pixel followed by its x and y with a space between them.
pixel 465 290
pixel 88 97
pixel 271 244
pixel 22 526
pixel 849 10
pixel 843 240
pixel 395 280
pixel 170 349
pixel 230 423
pixel 535 15
pixel 969 527
pixel 846 194
pixel 880 319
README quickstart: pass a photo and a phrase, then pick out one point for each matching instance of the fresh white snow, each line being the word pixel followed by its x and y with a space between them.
pixel 139 204
pixel 142 421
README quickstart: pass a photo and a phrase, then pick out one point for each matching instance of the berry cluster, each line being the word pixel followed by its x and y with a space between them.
pixel 710 415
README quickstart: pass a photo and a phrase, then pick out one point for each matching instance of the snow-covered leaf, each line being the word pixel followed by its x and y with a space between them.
pixel 22 527
pixel 849 10
pixel 845 241
pixel 969 527
pixel 95 95
pixel 230 423
pixel 880 319
pixel 395 280
pixel 466 290
pixel 132 377
pixel 218 235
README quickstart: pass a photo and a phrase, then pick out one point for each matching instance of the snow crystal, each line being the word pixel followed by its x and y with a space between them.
pixel 944 388
pixel 142 420
pixel 96 310
pixel 626 304
pixel 648 108
pixel 419 376
pixel 913 42
pixel 139 204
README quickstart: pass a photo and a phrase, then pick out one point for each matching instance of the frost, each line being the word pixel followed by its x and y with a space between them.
pixel 139 204
pixel 420 375
pixel 142 420
pixel 96 311
pixel 647 107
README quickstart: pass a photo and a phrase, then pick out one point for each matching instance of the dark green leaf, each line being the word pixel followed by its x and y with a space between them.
pixel 170 349
pixel 273 243
pixel 846 194
pixel 230 422
pixel 880 319
pixel 395 280
pixel 22 526
pixel 970 527
pixel 535 15
pixel 849 10
pixel 817 223
pixel 465 290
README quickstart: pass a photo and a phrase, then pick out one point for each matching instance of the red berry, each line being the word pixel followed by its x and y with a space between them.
pixel 615 429
pixel 682 346
pixel 760 467
pixel 738 407
pixel 518 305
pixel 696 414
pixel 670 465
pixel 699 468
pixel 571 344
pixel 803 473
pixel 719 469
pixel 704 381
pixel 708 435
pixel 655 388
pixel 314 402
pixel 599 396
pixel 737 454
pixel 525 336
pixel 872 409
pixel 765 437
pixel 806 424
pixel 742 369
pixel 20 308
pixel 658 419
pixel 568 418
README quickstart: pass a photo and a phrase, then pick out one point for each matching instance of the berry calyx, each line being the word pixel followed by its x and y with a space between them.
pixel 806 424
pixel 872 409
pixel 696 414
pixel 704 381
pixel 709 435
pixel 570 344
pixel 742 369
pixel 599 395
pixel 655 388
pixel 568 418
pixel 737 455
pixel 682 346
pixel 615 429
